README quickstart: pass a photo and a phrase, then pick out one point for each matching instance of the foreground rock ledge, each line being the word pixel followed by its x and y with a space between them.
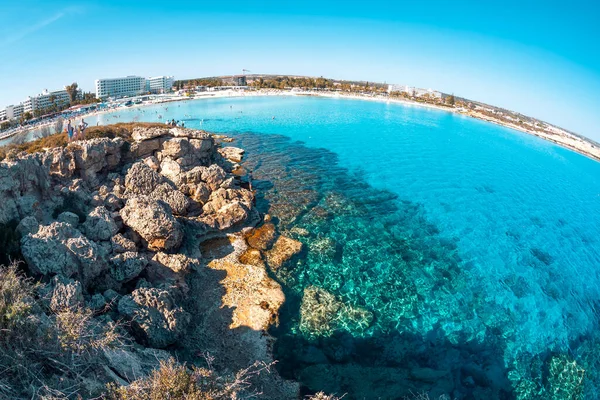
pixel 116 226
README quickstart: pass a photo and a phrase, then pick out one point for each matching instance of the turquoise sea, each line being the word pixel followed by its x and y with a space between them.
pixel 458 257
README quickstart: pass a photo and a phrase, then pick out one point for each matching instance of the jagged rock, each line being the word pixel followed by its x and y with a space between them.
pixel 120 244
pixel 227 208
pixel 97 303
pixel 141 179
pixel 178 202
pixel 201 193
pixel 152 162
pixel 92 156
pixel 113 203
pixel 232 153
pixel 127 266
pixel 262 238
pixel 153 221
pixel 67 294
pixel 145 148
pixel 282 251
pixel 144 133
pixel 176 262
pixel 176 148
pixel 60 249
pixel 99 224
pixel 28 225
pixel 155 318
pixel 171 170
pixel 213 176
pixel 252 257
pixel 189 133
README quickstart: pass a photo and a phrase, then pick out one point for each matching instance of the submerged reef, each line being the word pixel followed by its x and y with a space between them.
pixel 380 304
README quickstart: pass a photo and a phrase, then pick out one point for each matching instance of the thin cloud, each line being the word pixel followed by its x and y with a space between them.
pixel 32 29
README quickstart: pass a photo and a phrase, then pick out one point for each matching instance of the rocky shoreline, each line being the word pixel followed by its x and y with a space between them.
pixel 157 233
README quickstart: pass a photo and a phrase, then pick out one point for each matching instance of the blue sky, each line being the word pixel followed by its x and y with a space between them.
pixel 541 58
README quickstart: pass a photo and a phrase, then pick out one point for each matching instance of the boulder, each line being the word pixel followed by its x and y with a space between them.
pixel 176 262
pixel 233 154
pixel 176 148
pixel 178 202
pixel 141 179
pixel 60 249
pixel 155 318
pixel 145 148
pixel 127 266
pixel 28 225
pixel 120 244
pixel 189 133
pixel 262 238
pixel 92 156
pixel 66 295
pixel 97 303
pixel 153 221
pixel 282 251
pixel 152 162
pixel 68 218
pixel 144 133
pixel 99 224
pixel 170 169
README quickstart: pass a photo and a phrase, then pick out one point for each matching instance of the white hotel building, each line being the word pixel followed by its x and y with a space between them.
pixel 118 87
pixel 46 99
pixel 160 84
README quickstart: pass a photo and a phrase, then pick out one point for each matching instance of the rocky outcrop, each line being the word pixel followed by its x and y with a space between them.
pixel 153 221
pixel 155 317
pixel 116 227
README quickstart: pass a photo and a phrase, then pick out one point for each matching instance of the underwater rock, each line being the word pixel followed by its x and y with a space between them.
pixel 283 251
pixel 232 153
pixel 262 238
pixel 322 313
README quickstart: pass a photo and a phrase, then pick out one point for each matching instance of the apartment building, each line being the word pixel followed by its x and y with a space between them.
pixel 160 84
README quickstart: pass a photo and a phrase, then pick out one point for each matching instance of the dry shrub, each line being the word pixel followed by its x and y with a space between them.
pixel 178 382
pixel 45 354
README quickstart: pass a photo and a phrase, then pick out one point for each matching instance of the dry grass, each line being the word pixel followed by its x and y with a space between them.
pixel 45 354
pixel 178 382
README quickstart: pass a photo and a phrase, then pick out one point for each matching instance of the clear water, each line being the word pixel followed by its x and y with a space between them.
pixel 475 249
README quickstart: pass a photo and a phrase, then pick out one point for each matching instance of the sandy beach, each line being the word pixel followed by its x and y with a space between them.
pixel 559 137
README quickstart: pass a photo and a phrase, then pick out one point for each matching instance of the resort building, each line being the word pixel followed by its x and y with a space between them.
pixel 14 112
pixel 45 100
pixel 413 91
pixel 119 87
pixel 160 84
pixel 3 114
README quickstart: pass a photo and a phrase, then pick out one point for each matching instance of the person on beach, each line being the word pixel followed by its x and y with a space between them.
pixel 82 126
pixel 69 130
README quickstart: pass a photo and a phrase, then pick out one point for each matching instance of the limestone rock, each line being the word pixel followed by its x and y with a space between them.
pixel 155 317
pixel 282 251
pixel 178 202
pixel 171 170
pixel 232 153
pixel 99 224
pixel 67 294
pixel 28 225
pixel 60 249
pixel 127 266
pixel 144 133
pixel 141 179
pixel 176 148
pixel 153 221
pixel 262 238
pixel 189 133
pixel 176 262
pixel 120 244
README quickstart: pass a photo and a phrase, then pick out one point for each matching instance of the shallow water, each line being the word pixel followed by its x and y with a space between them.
pixel 464 255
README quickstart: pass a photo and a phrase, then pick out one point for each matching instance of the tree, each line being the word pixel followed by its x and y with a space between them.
pixel 72 91
pixel 450 100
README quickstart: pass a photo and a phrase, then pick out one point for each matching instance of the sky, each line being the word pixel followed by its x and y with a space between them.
pixel 540 58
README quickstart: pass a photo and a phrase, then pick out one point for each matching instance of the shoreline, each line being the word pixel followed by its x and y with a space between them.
pixel 568 141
